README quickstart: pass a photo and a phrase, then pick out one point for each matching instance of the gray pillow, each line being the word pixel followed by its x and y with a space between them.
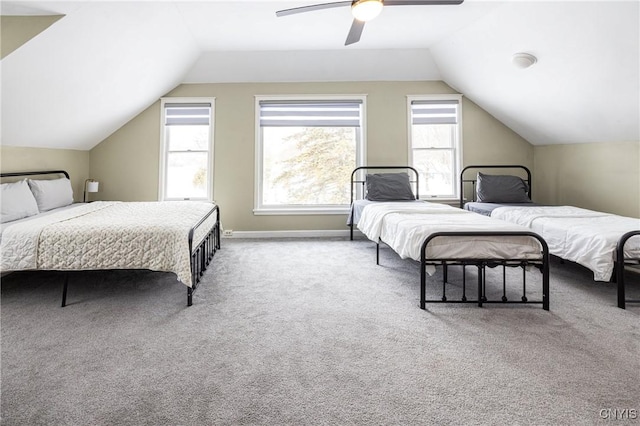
pixel 17 201
pixel 389 187
pixel 50 194
pixel 501 189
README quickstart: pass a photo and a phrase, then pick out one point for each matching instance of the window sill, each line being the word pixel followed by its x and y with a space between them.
pixel 300 211
pixel 451 201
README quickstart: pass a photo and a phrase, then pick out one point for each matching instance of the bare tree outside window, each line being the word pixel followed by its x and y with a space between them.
pixel 318 172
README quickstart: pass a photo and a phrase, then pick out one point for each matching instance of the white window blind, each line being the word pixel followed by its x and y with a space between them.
pixel 187 114
pixel 434 112
pixel 310 114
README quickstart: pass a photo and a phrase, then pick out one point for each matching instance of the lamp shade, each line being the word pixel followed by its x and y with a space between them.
pixel 92 186
pixel 365 10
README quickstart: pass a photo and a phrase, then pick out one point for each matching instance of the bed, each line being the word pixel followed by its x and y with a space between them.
pixel 602 242
pixel 393 188
pixel 437 234
pixel 42 229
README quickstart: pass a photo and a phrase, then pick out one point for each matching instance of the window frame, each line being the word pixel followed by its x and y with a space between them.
pixel 164 147
pixel 458 142
pixel 361 155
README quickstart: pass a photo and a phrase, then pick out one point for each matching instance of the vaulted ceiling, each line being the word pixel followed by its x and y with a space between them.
pixel 103 62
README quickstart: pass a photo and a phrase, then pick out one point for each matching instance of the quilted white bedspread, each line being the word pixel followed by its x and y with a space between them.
pixel 586 237
pixel 108 235
pixel 405 226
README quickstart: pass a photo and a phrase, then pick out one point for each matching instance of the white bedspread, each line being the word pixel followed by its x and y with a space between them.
pixel 404 227
pixel 108 235
pixel 586 237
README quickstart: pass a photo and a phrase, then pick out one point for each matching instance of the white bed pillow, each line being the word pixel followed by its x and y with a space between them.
pixel 17 201
pixel 51 194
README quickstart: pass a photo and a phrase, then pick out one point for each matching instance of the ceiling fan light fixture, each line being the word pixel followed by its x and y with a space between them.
pixel 366 10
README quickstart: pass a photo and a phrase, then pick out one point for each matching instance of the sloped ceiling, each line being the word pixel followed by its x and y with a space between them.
pixel 585 86
pixel 77 82
pixel 17 30
pixel 93 70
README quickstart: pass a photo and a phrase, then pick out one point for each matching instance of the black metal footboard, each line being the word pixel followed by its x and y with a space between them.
pixel 200 257
pixel 204 252
pixel 481 264
pixel 621 261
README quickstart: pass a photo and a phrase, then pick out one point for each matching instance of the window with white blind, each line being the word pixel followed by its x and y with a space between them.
pixel 186 164
pixel 306 149
pixel 435 147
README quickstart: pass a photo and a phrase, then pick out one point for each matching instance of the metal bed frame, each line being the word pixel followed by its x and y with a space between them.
pixel 481 264
pixel 464 181
pixel 620 262
pixel 200 256
pixel 358 185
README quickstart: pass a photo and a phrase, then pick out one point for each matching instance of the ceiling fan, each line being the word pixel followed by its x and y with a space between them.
pixel 363 11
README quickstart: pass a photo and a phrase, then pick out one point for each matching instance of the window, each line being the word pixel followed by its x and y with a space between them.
pixel 435 131
pixel 306 150
pixel 186 164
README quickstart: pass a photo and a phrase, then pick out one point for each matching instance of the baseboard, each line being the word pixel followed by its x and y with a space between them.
pixel 329 233
pixel 633 268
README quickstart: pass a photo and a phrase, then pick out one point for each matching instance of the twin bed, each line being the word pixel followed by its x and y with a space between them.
pixel 42 229
pixel 437 234
pixel 602 242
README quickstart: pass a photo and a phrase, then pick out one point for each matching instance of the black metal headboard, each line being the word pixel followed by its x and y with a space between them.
pixel 359 183
pixel 472 181
pixel 35 173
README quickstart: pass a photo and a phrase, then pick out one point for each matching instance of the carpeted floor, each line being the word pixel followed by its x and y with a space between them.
pixel 291 332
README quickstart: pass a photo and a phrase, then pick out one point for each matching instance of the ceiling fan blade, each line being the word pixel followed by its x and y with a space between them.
pixel 313 7
pixel 355 32
pixel 420 2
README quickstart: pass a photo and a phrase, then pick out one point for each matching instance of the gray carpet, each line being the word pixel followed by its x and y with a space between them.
pixel 310 332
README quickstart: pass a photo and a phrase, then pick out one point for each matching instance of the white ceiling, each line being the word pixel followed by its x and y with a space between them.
pixel 104 62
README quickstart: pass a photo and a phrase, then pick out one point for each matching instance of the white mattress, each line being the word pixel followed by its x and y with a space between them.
pixel 359 205
pixel 404 227
pixel 586 237
pixel 108 235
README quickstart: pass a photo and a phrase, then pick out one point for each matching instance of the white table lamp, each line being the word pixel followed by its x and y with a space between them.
pixel 90 185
